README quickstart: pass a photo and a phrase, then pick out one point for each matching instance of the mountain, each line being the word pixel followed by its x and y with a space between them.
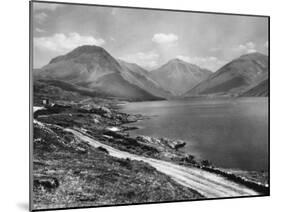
pixel 178 76
pixel 235 77
pixel 258 90
pixel 93 68
pixel 140 77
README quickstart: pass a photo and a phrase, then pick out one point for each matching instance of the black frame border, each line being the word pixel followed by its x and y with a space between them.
pixel 126 7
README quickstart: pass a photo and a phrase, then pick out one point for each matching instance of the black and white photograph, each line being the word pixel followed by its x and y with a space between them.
pixel 139 105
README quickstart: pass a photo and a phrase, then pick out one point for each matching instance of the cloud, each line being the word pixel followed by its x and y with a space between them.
pixel 144 59
pixel 246 48
pixel 61 43
pixel 211 63
pixel 162 38
pixel 46 6
pixel 266 44
pixel 40 17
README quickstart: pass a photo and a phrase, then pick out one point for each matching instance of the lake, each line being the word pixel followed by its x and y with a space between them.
pixel 232 133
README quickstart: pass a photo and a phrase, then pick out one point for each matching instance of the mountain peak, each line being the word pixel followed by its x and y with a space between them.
pixel 93 68
pixel 178 76
pixel 176 60
pixel 235 77
pixel 252 55
pixel 85 49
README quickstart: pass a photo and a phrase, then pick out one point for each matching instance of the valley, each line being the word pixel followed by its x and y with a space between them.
pixel 84 145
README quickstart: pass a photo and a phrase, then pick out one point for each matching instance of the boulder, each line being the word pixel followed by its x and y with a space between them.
pixel 113 129
pixel 174 144
pixel 96 121
pixel 206 163
pixel 144 139
pixel 107 115
pixel 45 182
pixel 81 150
pixel 105 110
pixel 116 134
pixel 132 118
pixel 189 159
pixel 149 140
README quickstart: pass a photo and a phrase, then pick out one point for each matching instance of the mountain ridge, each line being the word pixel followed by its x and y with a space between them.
pixel 234 77
pixel 178 76
pixel 140 77
pixel 94 68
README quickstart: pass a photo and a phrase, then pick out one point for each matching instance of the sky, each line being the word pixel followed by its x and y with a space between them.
pixel 149 38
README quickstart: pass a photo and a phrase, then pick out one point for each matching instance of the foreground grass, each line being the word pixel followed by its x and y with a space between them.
pixel 69 173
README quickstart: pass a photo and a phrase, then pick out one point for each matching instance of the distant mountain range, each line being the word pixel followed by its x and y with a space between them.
pixel 178 76
pixel 236 78
pixel 92 69
pixel 141 78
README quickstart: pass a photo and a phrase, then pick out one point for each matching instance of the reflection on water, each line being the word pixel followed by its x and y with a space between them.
pixel 230 133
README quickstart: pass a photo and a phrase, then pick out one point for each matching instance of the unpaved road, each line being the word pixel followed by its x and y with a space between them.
pixel 208 184
pixel 36 108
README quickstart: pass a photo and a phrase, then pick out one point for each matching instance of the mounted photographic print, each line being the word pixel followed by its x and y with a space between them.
pixel 139 105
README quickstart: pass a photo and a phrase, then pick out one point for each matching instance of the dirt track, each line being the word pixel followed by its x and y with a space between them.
pixel 208 184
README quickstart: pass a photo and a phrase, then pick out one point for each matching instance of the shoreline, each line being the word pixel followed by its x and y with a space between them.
pixel 122 129
pixel 107 126
pixel 64 164
pixel 225 172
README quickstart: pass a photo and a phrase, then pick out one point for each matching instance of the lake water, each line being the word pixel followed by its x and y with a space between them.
pixel 232 133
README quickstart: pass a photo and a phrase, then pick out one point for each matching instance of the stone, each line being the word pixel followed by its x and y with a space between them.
pixel 105 110
pixel 46 182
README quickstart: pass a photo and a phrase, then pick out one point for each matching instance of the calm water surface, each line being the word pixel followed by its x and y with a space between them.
pixel 231 133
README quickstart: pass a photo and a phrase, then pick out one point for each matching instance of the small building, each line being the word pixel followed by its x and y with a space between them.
pixel 45 101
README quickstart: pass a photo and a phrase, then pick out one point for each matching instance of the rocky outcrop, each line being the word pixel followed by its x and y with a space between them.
pixel 47 138
pixel 45 182
pixel 162 143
